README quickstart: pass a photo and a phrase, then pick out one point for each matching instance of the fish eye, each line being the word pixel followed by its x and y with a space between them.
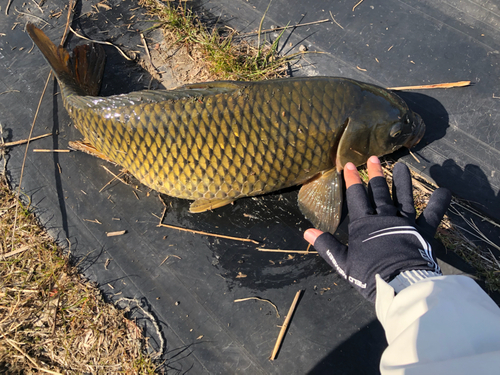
pixel 395 131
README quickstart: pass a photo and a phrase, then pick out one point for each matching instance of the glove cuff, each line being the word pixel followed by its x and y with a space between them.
pixel 407 278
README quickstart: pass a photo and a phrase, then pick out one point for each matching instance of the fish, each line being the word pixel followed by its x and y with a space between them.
pixel 216 142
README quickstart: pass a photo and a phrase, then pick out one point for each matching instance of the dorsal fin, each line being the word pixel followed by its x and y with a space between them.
pixel 156 96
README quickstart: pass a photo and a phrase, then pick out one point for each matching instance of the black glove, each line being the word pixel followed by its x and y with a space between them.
pixel 384 237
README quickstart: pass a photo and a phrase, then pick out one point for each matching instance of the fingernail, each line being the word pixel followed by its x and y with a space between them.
pixel 374 160
pixel 350 166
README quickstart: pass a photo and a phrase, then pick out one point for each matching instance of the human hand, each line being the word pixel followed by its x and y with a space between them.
pixel 385 237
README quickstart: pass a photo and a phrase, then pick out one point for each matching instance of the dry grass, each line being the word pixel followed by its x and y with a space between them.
pixel 51 320
pixel 222 51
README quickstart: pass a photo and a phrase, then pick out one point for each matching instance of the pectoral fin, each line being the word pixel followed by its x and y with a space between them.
pixel 202 205
pixel 320 200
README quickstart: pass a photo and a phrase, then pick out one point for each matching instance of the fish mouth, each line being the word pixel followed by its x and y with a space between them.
pixel 418 132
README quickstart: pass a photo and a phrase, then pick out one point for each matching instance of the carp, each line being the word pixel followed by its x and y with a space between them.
pixel 216 142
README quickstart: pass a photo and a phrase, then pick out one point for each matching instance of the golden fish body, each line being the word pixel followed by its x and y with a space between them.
pixel 253 139
pixel 219 141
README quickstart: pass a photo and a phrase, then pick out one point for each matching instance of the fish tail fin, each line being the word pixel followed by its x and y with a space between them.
pixel 77 75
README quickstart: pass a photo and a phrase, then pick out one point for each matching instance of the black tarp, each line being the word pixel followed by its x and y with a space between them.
pixel 191 294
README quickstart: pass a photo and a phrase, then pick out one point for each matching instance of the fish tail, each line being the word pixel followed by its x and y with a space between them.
pixel 80 74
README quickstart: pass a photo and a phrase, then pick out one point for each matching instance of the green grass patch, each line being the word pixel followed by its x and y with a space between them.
pixel 227 54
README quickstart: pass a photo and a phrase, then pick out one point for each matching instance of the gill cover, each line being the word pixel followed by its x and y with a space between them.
pixel 381 124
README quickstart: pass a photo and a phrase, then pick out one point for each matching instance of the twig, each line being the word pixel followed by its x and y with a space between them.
pixel 333 19
pixel 31 132
pixel 38 367
pixel 146 48
pixel 164 260
pixel 2 153
pixel 207 233
pixel 287 251
pixel 354 7
pixel 115 177
pixel 101 42
pixel 480 235
pixel 433 86
pixel 9 91
pixel 414 157
pixel 31 15
pixel 38 6
pixel 56 306
pixel 163 214
pixel 26 154
pixel 117 233
pixel 95 221
pixel 7 7
pixel 475 212
pixel 22 141
pixel 285 27
pixel 72 4
pixel 259 299
pixel 12 253
pixel 47 150
pixel 285 325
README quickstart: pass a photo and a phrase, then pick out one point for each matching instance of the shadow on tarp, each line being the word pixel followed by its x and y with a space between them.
pixel 432 112
pixel 360 354
pixel 468 183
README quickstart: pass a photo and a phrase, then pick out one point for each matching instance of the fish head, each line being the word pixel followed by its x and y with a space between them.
pixel 382 124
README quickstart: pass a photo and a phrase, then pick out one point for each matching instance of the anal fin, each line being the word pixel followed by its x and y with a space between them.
pixel 203 204
pixel 320 200
pixel 88 148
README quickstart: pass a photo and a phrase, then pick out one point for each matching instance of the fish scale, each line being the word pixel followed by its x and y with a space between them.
pixel 256 137
pixel 215 142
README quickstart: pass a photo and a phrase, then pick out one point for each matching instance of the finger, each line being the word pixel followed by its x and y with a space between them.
pixel 351 175
pixel 402 191
pixel 378 193
pixel 357 200
pixel 358 203
pixel 374 167
pixel 310 235
pixel 435 210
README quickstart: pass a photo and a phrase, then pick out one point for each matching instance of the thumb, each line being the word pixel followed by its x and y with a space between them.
pixel 310 235
pixel 327 246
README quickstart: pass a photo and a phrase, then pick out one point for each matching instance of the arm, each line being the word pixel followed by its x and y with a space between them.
pixel 434 324
pixel 439 325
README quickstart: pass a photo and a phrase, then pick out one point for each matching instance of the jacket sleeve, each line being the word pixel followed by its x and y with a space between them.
pixel 439 325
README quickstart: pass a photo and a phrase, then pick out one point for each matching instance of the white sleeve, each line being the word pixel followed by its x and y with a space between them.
pixel 439 325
